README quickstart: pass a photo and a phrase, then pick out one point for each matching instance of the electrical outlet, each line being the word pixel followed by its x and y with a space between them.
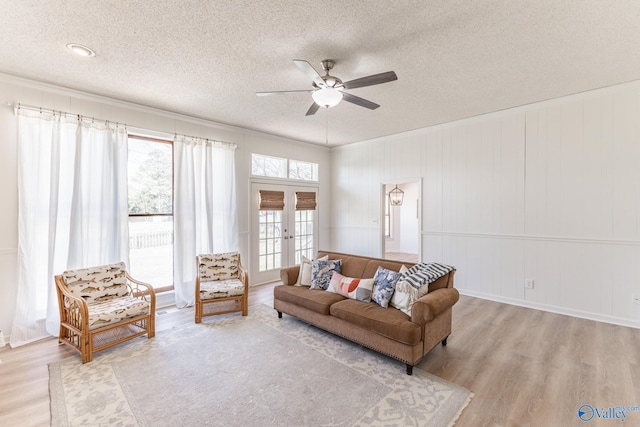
pixel 528 283
pixel 635 299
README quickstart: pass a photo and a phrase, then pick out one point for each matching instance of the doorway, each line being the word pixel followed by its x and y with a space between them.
pixel 402 224
pixel 284 228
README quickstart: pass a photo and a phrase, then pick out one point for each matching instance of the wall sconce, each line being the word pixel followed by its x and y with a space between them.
pixel 396 196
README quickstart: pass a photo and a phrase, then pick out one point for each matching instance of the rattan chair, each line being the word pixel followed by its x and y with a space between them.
pixel 101 307
pixel 221 280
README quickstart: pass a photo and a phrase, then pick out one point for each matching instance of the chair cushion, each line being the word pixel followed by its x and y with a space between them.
pixel 315 300
pixel 389 323
pixel 115 310
pixel 221 289
pixel 219 266
pixel 97 284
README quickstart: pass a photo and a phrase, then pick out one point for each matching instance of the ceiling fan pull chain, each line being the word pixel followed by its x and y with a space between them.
pixel 326 137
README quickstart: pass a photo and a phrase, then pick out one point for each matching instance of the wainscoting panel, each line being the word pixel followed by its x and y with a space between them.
pixel 590 278
pixel 548 192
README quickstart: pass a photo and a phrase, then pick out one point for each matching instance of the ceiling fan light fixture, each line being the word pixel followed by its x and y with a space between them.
pixel 327 97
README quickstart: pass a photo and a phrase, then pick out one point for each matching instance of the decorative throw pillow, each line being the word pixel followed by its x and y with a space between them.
pixel 350 287
pixel 322 270
pixel 304 277
pixel 384 284
pixel 414 284
pixel 404 297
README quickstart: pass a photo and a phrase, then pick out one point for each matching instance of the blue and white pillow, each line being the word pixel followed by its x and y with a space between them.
pixel 384 284
pixel 322 270
pixel 304 276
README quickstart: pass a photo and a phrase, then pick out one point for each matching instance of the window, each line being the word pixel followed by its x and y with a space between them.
pixel 303 170
pixel 303 235
pixel 273 167
pixel 277 167
pixel 270 234
pixel 150 174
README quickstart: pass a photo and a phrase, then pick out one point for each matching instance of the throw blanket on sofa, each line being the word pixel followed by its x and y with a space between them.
pixel 425 273
pixel 414 284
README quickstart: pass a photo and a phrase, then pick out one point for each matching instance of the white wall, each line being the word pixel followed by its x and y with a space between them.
pixel 13 89
pixel 549 192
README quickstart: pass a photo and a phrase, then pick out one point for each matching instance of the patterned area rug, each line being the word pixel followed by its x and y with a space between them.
pixel 251 371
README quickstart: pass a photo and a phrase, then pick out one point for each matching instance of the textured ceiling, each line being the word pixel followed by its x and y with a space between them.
pixel 454 59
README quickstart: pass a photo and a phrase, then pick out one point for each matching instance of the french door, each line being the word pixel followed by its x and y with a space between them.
pixel 281 231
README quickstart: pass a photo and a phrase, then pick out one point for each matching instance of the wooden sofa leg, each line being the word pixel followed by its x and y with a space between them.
pixel 279 315
pixel 444 341
pixel 409 369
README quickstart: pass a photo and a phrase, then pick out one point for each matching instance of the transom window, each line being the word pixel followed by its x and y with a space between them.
pixel 278 167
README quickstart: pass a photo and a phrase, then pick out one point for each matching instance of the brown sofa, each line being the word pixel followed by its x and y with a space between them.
pixel 386 330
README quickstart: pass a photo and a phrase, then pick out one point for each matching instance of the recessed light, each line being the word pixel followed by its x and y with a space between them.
pixel 81 50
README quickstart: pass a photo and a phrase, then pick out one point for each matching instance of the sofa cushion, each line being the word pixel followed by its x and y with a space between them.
pixel 315 300
pixel 304 277
pixel 372 267
pixel 351 287
pixel 414 284
pixel 384 283
pixel 392 324
pixel 321 272
pixel 361 266
pixel 353 266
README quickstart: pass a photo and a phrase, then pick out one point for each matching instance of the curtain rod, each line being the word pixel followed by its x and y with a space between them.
pixel 18 106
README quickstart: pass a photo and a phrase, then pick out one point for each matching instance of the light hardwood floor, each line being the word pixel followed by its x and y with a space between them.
pixel 402 257
pixel 526 367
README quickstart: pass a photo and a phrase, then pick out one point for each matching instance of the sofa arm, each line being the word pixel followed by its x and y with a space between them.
pixel 289 275
pixel 432 304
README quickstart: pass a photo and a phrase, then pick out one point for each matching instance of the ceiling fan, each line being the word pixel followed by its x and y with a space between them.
pixel 328 90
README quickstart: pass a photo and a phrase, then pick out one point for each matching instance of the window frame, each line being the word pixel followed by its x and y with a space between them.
pixel 287 164
pixel 387 217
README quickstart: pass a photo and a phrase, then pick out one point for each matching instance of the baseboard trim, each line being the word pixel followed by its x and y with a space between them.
pixel 555 309
pixel 165 299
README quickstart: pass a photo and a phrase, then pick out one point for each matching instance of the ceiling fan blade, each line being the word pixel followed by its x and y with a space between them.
pixel 375 79
pixel 312 110
pixel 359 101
pixel 309 71
pixel 280 92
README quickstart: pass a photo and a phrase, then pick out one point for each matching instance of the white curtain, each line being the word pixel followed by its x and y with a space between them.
pixel 72 191
pixel 205 217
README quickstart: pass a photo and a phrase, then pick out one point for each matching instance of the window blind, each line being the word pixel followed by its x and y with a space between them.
pixel 271 200
pixel 305 200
